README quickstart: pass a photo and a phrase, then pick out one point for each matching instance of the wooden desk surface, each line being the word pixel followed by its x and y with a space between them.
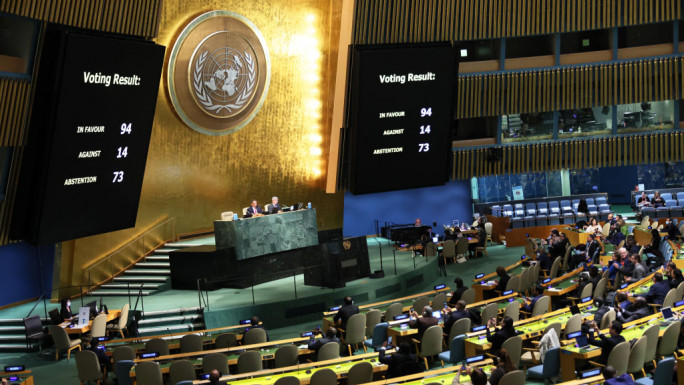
pixel 442 375
pixel 391 301
pixel 111 316
pixel 25 377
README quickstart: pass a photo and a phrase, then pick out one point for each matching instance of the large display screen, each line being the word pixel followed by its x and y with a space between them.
pixel 89 141
pixel 400 116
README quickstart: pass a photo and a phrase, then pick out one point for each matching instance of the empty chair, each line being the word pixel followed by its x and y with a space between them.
pixel 574 324
pixel 600 200
pixel 662 375
pixel 468 296
pixel 181 370
pixel 462 249
pixel 217 361
pixel 600 288
pixel 254 336
pixel 513 346
pixel 122 353
pixel 157 345
pixel 373 317
pixel 554 208
pixel 607 319
pixel 323 377
pixel 674 207
pixel 542 208
pixel 190 343
pixel 430 250
pixel 225 216
pixel 489 311
pixel 549 368
pixel 529 220
pixel 420 303
pixel 519 210
pixel 120 325
pixel 438 300
pixel 541 306
pixel 513 310
pixel 355 332
pixel 566 206
pixel 635 362
pixel 286 355
pixel 652 334
pixel 449 250
pixel 88 367
pixel 496 210
pixel 378 337
pixel 393 310
pixel 149 373
pixel 360 373
pixel 431 344
pixel 666 196
pixel 249 361
pixel 515 377
pixel 513 283
pixel 459 327
pixel 517 223
pixel 98 328
pixel 287 380
pixel 225 340
pixel 122 369
pixel 530 209
pixel 62 341
pixel 33 329
pixel 507 210
pixel 456 352
pixel 670 298
pixel 593 210
pixel 329 351
pixel 668 343
pixel 489 227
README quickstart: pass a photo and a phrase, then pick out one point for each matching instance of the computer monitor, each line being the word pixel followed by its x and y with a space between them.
pixel 667 312
pixel 93 308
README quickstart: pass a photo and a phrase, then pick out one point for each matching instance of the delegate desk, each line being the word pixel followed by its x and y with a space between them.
pixel 111 316
pixel 268 234
pixel 570 352
pixel 563 284
pixel 23 377
pixel 529 328
pixel 440 376
pixel 303 372
pixel 173 339
pixel 514 269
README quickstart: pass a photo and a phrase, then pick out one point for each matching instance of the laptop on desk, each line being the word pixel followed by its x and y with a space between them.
pixel 582 341
pixel 668 317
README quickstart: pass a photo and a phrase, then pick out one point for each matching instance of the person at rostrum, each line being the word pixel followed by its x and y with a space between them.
pixel 451 316
pixel 346 311
pixel 606 343
pixel 500 335
pixel 456 295
pixel 275 206
pixel 330 336
pixel 424 322
pixel 254 210
pixel 397 362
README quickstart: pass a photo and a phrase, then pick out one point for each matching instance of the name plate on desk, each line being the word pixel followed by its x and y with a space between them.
pixel 273 233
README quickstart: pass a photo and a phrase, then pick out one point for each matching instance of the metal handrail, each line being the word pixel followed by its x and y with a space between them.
pixel 109 257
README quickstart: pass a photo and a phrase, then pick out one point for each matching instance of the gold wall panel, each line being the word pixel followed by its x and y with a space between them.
pixel 194 177
pixel 411 21
pixel 605 152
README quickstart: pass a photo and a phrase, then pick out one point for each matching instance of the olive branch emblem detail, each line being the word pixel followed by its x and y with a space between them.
pixel 204 98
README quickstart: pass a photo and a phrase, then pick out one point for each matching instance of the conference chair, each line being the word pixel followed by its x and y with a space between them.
pixel 607 319
pixel 662 375
pixel 191 343
pixel 652 334
pixel 149 373
pixel 507 210
pixel 393 310
pixel 459 327
pixel 123 353
pixel 323 377
pixel 679 292
pixel 329 351
pixel 449 250
pixel 554 208
pixel 468 296
pixel 218 361
pixel 430 250
pixel 157 345
pixel 456 352
pixel 88 367
pixel 635 362
pixel 430 345
pixel 513 284
pixel 668 343
pixel 286 355
pixel 489 311
pixel 225 340
pixel 287 380
pixel 360 373
pixel 549 369
pixel 512 310
pixel 379 336
pixel 420 303
pixel 373 317
pixel 462 249
pixel 254 336
pixel 554 269
pixel 227 216
pixel 481 249
pixel 98 328
pixel 556 326
pixel 244 211
pixel 540 307
pixel 181 370
pixel 489 227
pixel 600 288
pixel 515 377
pixel 120 325
pixel 513 346
pixel 249 361
pixel 574 324
pixel 618 358
pixel 33 330
pixel 122 370
pixel 438 301
pixel 355 332
pixel 586 292
pixel 55 318
pixel 62 341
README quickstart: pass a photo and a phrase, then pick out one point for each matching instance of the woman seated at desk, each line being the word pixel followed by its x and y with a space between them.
pixel 65 312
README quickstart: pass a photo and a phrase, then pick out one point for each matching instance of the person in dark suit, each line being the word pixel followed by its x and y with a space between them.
pixel 671 229
pixel 557 246
pixel 215 378
pixel 544 260
pixel 611 377
pixel 65 311
pixel 399 361
pixel 656 294
pixel 254 210
pixel 500 335
pixel 639 309
pixel 606 343
pixel 675 279
pixel 643 200
pixel 330 336
pixel 456 295
pixel 617 237
pixel 451 316
pixel 538 293
pixel 424 322
pixel 274 207
pixel 102 358
pixel 254 322
pixel 346 311
pixel 502 282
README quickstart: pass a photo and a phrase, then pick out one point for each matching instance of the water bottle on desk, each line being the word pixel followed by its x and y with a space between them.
pixel 309 205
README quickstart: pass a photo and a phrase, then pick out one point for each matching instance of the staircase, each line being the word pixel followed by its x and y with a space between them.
pixel 171 321
pixel 13 337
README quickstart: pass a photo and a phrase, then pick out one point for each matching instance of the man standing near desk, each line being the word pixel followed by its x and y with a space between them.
pixel 254 210
pixel 274 207
pixel 345 312
pixel 606 343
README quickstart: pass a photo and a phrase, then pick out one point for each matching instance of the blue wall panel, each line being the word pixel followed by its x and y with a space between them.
pixel 618 182
pixel 440 204
pixel 22 265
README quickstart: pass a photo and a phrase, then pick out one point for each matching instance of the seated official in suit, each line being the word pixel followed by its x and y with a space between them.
pixel 606 343
pixel 501 283
pixel 500 335
pixel 255 323
pixel 330 336
pixel 538 293
pixel 424 322
pixel 611 377
pixel 656 294
pixel 456 295
pixel 254 210
pixel 346 311
pixel 639 309
pixel 451 316
pixel 215 378
pixel 400 363
pixel 274 207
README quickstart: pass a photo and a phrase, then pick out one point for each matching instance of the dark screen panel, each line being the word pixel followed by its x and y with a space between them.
pixel 401 116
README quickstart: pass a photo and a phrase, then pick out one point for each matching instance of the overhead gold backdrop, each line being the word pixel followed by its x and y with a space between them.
pixel 194 177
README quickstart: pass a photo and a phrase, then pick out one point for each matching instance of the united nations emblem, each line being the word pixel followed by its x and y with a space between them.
pixel 219 72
